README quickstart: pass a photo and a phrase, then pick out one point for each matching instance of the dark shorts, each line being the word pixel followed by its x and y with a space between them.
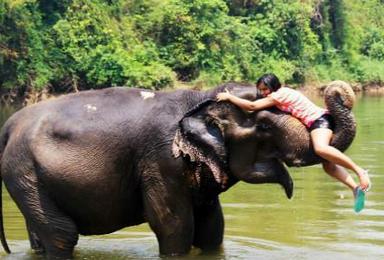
pixel 325 121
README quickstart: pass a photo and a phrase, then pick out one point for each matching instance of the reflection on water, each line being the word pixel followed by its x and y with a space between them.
pixel 145 247
pixel 319 222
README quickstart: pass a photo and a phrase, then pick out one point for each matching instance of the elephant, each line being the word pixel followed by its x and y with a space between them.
pixel 96 161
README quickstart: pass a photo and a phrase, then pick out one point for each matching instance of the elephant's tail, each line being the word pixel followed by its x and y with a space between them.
pixel 2 235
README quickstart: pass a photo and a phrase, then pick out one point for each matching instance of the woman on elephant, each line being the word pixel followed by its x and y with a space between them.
pixel 319 123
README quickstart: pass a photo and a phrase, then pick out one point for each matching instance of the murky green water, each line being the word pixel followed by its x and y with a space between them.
pixel 261 223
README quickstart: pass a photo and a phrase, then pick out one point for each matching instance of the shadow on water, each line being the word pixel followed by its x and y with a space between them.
pixel 261 223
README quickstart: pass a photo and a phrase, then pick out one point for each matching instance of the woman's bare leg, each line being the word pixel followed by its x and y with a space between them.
pixel 340 174
pixel 321 138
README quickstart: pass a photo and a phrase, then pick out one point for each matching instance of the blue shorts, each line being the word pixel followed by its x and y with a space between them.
pixel 325 121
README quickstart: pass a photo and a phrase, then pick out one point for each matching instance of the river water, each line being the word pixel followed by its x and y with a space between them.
pixel 317 223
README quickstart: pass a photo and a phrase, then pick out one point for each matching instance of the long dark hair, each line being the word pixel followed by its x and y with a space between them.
pixel 270 80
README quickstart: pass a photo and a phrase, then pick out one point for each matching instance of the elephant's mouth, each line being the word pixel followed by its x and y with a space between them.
pixel 299 158
pixel 269 171
pixel 295 162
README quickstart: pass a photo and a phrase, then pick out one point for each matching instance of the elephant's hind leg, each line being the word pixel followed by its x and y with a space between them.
pixel 49 228
pixel 34 240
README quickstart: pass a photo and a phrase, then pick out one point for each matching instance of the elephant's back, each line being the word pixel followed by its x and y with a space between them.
pixel 112 110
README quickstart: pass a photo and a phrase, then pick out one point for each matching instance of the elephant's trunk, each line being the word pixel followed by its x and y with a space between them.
pixel 339 98
pixel 295 144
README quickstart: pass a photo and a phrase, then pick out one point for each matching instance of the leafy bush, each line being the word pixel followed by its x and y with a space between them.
pixel 377 50
pixel 370 70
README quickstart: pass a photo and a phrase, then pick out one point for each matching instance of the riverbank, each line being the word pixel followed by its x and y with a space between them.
pixel 24 97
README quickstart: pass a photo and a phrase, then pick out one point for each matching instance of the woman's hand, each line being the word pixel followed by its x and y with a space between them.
pixel 223 95
pixel 244 103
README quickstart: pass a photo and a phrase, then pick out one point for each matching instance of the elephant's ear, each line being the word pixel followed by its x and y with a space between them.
pixel 200 138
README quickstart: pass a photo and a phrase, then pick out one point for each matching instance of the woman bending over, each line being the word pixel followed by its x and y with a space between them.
pixel 320 124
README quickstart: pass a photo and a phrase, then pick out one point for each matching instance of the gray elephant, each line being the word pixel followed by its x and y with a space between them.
pixel 101 160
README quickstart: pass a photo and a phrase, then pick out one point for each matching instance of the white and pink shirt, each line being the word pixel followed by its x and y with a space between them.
pixel 298 105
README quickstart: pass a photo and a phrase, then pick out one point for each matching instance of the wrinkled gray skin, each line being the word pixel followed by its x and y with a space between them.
pixel 97 161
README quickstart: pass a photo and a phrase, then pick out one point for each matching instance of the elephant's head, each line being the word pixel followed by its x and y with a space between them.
pixel 294 145
pixel 230 143
pixel 237 145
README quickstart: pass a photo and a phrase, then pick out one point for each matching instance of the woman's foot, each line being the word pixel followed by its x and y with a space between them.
pixel 365 182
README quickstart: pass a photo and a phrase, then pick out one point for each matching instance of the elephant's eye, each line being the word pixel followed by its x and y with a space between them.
pixel 214 131
pixel 248 123
pixel 263 127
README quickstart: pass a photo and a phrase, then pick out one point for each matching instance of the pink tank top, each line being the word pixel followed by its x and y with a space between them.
pixel 298 105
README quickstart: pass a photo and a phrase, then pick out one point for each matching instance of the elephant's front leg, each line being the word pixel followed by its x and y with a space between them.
pixel 168 211
pixel 209 225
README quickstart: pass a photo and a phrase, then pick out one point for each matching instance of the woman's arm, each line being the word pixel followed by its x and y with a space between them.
pixel 246 104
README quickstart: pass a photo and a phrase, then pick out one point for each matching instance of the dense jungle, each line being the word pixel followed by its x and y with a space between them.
pixel 52 46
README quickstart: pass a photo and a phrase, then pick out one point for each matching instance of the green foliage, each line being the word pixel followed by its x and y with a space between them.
pixel 283 29
pixel 369 70
pixel 154 43
pixel 373 45
pixel 23 59
pixel 377 50
pixel 95 47
pixel 194 36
